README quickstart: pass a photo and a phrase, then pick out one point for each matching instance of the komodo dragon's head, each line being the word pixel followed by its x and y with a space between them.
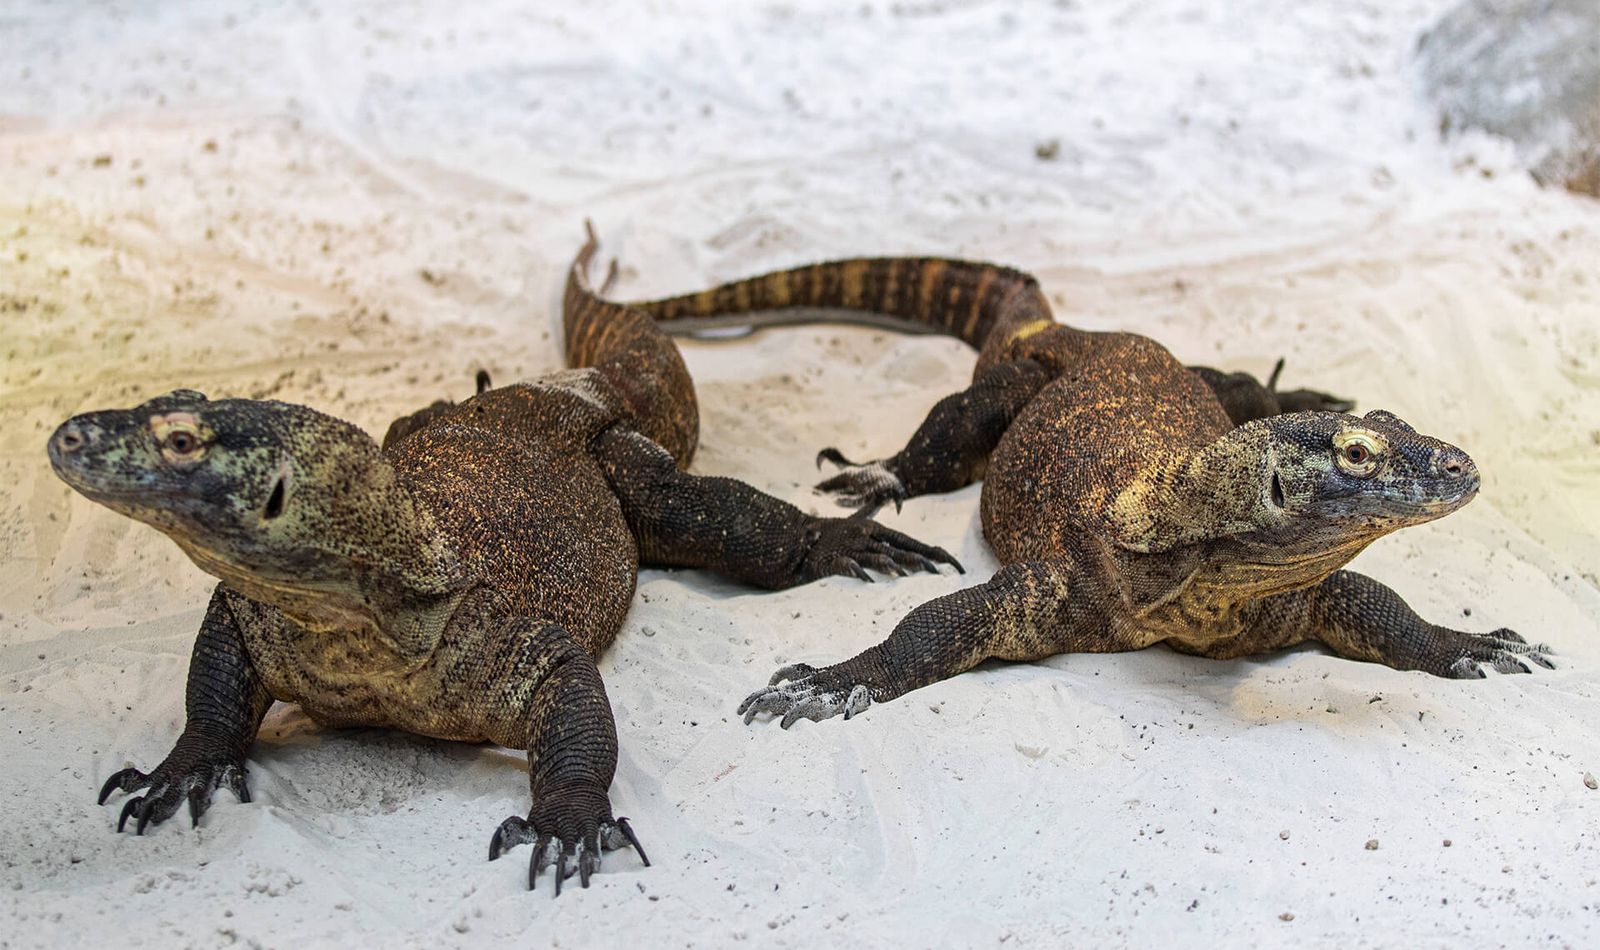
pixel 1314 488
pixel 1326 472
pixel 289 506
pixel 1296 495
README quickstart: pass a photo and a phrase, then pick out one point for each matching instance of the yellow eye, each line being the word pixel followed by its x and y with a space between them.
pixel 181 435
pixel 1358 453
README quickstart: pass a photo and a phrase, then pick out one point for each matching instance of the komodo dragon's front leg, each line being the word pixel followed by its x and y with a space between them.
pixel 683 520
pixel 950 449
pixel 1362 619
pixel 551 686
pixel 1027 611
pixel 224 705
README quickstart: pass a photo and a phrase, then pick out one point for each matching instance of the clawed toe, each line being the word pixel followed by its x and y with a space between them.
pixel 127 780
pixel 567 852
pixel 864 485
pixel 802 698
pixel 1502 651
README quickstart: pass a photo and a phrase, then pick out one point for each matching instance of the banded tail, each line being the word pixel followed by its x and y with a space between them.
pixel 636 357
pixel 963 299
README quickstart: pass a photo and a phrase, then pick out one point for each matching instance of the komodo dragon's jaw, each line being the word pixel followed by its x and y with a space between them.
pixel 287 505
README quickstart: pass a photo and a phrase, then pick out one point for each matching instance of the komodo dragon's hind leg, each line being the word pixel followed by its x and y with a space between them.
pixel 1361 619
pixel 1245 398
pixel 950 449
pixel 1027 611
pixel 572 756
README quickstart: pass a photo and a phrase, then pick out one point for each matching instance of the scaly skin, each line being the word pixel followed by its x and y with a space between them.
pixel 1130 500
pixel 461 582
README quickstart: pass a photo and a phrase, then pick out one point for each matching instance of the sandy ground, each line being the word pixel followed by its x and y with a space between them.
pixel 356 205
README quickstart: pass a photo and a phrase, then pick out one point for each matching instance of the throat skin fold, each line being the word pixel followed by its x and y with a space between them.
pixel 390 582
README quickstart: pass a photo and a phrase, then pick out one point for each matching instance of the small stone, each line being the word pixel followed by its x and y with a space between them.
pixel 1372 844
pixel 1048 150
pixel 1447 842
pixel 1286 916
pixel 1284 834
pixel 1588 779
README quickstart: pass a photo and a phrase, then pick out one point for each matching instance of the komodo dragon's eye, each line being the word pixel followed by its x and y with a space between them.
pixel 180 438
pixel 1357 453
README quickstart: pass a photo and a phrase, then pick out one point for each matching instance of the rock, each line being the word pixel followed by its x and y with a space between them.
pixel 1528 70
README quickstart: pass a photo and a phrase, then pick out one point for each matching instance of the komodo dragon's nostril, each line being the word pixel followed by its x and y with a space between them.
pixel 70 440
pixel 1454 464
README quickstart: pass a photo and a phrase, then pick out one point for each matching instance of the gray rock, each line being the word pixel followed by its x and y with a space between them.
pixel 1528 70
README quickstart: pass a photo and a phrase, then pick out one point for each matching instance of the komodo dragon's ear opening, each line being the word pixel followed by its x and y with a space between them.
pixel 1277 490
pixel 275 501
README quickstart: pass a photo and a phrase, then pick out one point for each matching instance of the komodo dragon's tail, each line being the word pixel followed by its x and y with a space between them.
pixel 624 344
pixel 963 299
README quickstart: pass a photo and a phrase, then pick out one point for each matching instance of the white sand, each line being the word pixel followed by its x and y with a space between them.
pixel 1241 186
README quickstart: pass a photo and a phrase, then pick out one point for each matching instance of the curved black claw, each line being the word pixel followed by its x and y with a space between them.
pixel 170 786
pixel 126 780
pixel 831 454
pixel 810 694
pixel 865 485
pixel 1503 651
pixel 846 547
pixel 565 838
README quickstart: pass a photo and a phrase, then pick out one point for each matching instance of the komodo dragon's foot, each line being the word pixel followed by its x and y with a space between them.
pixel 181 777
pixel 846 547
pixel 1464 655
pixel 859 485
pixel 810 694
pixel 570 828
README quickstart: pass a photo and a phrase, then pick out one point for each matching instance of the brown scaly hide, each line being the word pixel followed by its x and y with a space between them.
pixel 1131 500
pixel 460 581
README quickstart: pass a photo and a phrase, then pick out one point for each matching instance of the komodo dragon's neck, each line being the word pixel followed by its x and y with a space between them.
pixel 375 566
pixel 1232 496
pixel 1220 490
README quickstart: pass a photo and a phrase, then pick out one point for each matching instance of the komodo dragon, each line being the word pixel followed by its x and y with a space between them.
pixel 1130 500
pixel 460 584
